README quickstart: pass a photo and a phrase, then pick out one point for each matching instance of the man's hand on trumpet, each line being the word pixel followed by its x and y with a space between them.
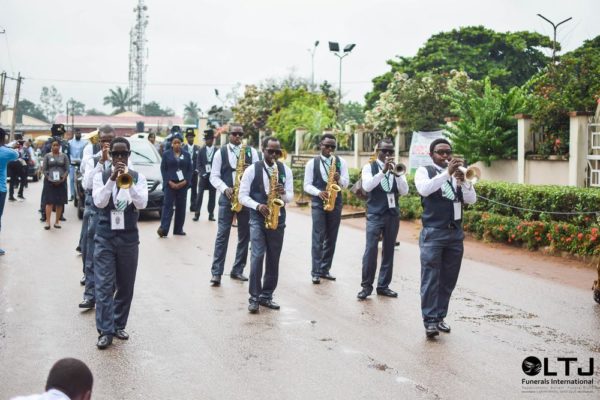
pixel 119 168
pixel 453 165
pixel 389 165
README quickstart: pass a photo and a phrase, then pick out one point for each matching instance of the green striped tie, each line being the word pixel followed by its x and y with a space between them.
pixel 385 182
pixel 447 191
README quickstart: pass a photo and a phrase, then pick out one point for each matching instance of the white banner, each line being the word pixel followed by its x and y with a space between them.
pixel 419 149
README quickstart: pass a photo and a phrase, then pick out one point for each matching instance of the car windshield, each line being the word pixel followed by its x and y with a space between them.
pixel 142 152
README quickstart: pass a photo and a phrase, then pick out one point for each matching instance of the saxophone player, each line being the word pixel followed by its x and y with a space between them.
pixel 383 218
pixel 228 165
pixel 324 176
pixel 265 188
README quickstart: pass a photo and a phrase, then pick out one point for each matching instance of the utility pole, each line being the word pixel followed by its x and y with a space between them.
pixel 14 115
pixel 2 85
pixel 312 57
pixel 554 26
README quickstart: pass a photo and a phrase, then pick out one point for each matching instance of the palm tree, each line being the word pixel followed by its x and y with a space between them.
pixel 121 100
pixel 191 112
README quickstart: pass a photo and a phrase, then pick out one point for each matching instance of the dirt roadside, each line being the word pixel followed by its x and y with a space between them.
pixel 562 270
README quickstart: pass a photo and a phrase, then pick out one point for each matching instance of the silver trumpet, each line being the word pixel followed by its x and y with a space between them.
pixel 472 173
pixel 398 169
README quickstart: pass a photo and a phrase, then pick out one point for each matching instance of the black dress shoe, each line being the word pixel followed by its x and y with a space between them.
pixel 387 292
pixel 316 280
pixel 121 334
pixel 196 217
pixel 443 327
pixel 62 218
pixel 43 218
pixel 431 330
pixel 11 198
pixel 78 249
pixel 269 304
pixel 363 294
pixel 104 341
pixel 87 304
pixel 161 233
pixel 253 307
pixel 239 277
pixel 216 280
pixel 211 217
pixel 328 276
pixel 82 281
pixel 180 233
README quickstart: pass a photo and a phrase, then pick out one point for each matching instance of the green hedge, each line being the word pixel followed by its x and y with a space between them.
pixel 560 236
pixel 537 197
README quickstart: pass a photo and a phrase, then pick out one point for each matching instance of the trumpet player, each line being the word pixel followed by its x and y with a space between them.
pixel 324 177
pixel 228 165
pixel 116 242
pixel 384 187
pixel 443 191
pixel 265 188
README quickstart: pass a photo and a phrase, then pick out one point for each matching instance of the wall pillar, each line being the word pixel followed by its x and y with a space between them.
pixel 578 147
pixel 223 139
pixel 524 144
pixel 358 146
pixel 299 140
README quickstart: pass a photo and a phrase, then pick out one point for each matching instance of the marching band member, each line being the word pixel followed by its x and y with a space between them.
pixel 443 191
pixel 192 150
pixel 204 166
pixel 383 218
pixel 116 243
pixel 265 188
pixel 228 165
pixel 323 172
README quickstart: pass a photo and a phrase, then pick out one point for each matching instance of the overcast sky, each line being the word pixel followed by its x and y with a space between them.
pixel 197 46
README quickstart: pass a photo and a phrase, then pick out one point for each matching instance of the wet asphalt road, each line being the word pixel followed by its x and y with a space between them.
pixel 189 340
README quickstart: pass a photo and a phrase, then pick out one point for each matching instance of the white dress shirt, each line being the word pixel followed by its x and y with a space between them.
pixel 101 192
pixel 426 186
pixel 88 152
pixel 370 181
pixel 215 170
pixel 52 394
pixel 248 177
pixel 309 170
pixel 90 171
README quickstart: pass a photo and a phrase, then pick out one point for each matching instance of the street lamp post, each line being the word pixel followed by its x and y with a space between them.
pixel 312 56
pixel 555 27
pixel 334 47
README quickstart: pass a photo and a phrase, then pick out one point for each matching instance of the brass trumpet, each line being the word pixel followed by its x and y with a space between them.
pixel 124 180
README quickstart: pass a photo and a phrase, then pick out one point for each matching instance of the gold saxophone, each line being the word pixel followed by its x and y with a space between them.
pixel 273 201
pixel 332 188
pixel 236 206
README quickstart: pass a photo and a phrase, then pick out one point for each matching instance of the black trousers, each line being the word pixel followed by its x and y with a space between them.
pixel 194 191
pixel 18 177
pixel 204 184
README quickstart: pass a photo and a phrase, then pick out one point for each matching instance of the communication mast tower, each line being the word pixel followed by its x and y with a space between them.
pixel 138 54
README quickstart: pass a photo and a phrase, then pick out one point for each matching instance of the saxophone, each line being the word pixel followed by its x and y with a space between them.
pixel 273 202
pixel 332 188
pixel 236 206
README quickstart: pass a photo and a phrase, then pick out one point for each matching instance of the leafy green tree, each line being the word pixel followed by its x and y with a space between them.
pixel 26 107
pixel 253 109
pixel 76 107
pixel 353 113
pixel 486 129
pixel 191 112
pixel 153 109
pixel 300 108
pixel 51 102
pixel 93 111
pixel 571 85
pixel 508 59
pixel 121 100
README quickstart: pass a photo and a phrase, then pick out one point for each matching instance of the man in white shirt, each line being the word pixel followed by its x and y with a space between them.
pixel 325 224
pixel 76 146
pixel 254 193
pixel 116 243
pixel 443 191
pixel 223 176
pixel 68 379
pixel 383 219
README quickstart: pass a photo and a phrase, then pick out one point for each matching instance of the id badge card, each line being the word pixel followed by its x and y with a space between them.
pixel 117 220
pixel 391 200
pixel 179 175
pixel 457 210
pixel 55 176
pixel 207 167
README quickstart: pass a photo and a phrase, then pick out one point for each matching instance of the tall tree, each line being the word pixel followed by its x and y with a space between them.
pixel 191 112
pixel 51 102
pixel 121 100
pixel 76 107
pixel 153 109
pixel 508 59
pixel 26 107
pixel 93 111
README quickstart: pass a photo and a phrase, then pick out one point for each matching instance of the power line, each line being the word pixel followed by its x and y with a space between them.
pixel 539 211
